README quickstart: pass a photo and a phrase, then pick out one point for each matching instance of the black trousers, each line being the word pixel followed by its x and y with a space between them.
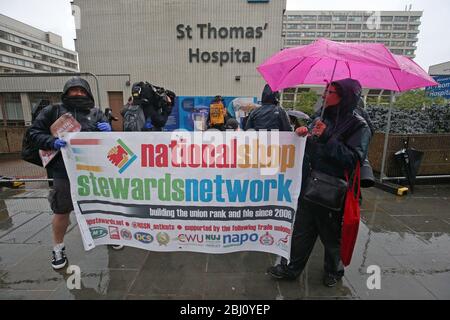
pixel 313 221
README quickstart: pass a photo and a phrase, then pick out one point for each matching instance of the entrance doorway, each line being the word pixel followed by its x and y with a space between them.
pixel 116 105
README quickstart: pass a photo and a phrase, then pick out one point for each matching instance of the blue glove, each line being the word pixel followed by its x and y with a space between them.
pixel 148 125
pixel 59 143
pixel 104 126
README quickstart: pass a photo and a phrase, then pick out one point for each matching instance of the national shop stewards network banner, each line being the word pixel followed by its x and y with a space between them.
pixel 212 192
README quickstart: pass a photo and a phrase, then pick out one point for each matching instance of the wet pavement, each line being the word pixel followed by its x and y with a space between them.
pixel 407 237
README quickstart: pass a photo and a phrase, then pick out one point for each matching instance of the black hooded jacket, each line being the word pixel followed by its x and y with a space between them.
pixel 346 138
pixel 40 129
pixel 269 116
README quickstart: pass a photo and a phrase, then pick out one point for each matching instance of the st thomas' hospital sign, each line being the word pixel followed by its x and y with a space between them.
pixel 210 32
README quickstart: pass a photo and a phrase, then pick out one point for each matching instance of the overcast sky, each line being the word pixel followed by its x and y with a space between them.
pixel 433 46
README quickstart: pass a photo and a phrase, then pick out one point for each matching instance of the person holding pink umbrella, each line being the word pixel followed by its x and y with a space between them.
pixel 336 144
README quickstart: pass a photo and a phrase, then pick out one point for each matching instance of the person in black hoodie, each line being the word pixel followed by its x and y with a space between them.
pixel 270 116
pixel 337 143
pixel 78 100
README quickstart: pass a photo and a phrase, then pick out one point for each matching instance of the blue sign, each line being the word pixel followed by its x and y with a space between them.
pixel 193 111
pixel 442 90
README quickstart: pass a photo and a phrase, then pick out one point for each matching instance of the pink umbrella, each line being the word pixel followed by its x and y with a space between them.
pixel 372 64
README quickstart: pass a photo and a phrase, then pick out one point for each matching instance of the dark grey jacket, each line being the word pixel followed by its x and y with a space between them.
pixel 346 138
pixel 269 116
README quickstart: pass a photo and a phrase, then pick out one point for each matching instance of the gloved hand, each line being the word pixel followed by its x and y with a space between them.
pixel 104 126
pixel 302 131
pixel 319 128
pixel 58 144
pixel 148 125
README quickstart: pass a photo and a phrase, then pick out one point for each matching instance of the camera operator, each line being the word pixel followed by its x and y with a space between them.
pixel 156 102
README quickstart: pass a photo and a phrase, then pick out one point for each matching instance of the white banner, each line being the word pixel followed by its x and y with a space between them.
pixel 212 192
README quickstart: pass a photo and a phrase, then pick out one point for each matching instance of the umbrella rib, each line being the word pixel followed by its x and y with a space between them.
pixel 287 73
pixel 349 71
pixel 390 70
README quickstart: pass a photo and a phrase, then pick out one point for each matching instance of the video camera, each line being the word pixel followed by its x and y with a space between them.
pixel 146 94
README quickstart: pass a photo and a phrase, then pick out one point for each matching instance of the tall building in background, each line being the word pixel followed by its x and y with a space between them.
pixel 397 30
pixel 25 49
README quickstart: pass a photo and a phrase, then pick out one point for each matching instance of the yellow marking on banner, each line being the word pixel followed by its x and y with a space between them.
pixel 89 168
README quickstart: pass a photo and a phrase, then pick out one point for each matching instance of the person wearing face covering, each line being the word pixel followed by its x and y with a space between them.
pixel 335 144
pixel 77 100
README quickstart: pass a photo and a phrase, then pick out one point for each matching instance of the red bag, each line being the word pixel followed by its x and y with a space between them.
pixel 351 218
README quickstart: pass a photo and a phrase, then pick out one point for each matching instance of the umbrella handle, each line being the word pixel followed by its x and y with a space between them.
pixel 324 98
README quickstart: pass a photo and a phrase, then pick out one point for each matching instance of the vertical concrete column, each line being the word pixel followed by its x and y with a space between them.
pixel 26 108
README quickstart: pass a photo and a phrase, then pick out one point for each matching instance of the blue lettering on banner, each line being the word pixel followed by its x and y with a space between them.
pixel 239 239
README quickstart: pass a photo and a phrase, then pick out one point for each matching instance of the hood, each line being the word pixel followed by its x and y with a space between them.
pixel 77 82
pixel 269 96
pixel 350 92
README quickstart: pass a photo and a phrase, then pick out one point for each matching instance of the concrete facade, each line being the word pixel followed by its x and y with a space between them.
pixel 24 48
pixel 440 69
pixel 397 30
pixel 179 44
pixel 27 50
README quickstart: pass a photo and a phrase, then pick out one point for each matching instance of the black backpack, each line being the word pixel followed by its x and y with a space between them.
pixel 133 118
pixel 30 152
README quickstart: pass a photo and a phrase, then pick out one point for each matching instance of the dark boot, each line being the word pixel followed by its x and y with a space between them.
pixel 283 272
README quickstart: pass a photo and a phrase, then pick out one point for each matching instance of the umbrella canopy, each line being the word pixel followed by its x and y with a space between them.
pixel 372 64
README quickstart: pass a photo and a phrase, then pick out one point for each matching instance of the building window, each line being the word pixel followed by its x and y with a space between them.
pixel 383 35
pixel 412 36
pixel 13 106
pixel 398 43
pixel 339 18
pixel 409 52
pixel 309 18
pixel 399 35
pixel 368 35
pixel 293 17
pixel 401 19
pixel 324 18
pixel 400 27
pixel 397 51
pixel 354 26
pixel 387 19
pixel 414 19
pixel 324 26
pixel 339 27
pixel 293 26
pixel 353 34
pixel 323 34
pixel 308 26
pixel 291 42
pixel 355 18
pixel 338 34
pixel 294 34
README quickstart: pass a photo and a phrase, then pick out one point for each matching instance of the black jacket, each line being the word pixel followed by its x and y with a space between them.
pixel 346 139
pixel 41 136
pixel 269 116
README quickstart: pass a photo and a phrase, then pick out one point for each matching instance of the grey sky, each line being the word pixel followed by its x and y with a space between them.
pixel 433 45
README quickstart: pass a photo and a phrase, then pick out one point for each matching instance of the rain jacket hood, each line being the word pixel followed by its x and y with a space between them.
pixel 350 92
pixel 269 96
pixel 77 82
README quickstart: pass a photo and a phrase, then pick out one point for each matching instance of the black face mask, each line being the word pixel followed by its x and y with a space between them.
pixel 78 102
